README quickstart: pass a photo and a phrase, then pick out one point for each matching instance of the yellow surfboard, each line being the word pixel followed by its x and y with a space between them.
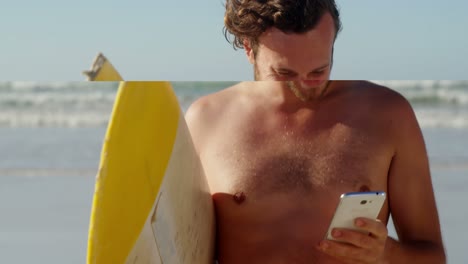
pixel 151 202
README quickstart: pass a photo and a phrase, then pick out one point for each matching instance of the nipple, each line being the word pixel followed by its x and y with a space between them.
pixel 239 197
pixel 364 188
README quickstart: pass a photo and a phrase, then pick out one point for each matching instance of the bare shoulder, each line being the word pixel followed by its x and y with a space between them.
pixel 380 94
pixel 388 97
pixel 209 107
pixel 205 113
pixel 382 109
pixel 399 108
pixel 385 100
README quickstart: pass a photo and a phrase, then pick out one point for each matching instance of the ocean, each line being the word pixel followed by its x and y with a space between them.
pixel 50 141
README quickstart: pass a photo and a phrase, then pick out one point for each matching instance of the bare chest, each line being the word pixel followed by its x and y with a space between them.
pixel 263 162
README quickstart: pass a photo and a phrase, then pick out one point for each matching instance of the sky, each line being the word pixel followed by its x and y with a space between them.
pixel 182 40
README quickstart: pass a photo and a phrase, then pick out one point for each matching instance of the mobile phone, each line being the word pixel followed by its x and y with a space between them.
pixel 353 205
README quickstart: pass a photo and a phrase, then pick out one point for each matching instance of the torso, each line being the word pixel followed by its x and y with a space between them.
pixel 276 176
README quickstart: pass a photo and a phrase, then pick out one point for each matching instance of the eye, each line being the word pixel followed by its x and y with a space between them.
pixel 284 73
pixel 318 72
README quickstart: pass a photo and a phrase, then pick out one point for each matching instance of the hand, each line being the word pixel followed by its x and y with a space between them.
pixel 358 247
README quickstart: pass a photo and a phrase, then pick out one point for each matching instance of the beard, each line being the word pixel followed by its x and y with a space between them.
pixel 307 93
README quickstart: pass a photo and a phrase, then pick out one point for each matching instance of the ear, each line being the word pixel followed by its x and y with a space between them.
pixel 249 51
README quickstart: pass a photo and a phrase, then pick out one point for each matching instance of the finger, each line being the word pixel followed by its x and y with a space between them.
pixel 374 226
pixel 347 253
pixel 355 238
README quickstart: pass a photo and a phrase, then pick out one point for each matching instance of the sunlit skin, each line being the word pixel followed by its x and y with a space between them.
pixel 277 160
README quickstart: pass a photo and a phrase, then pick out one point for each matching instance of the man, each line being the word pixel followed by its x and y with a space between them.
pixel 278 155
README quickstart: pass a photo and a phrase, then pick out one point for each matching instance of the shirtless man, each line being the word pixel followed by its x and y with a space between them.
pixel 279 154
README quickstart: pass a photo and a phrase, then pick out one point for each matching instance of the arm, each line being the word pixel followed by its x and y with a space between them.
pixel 411 196
pixel 411 201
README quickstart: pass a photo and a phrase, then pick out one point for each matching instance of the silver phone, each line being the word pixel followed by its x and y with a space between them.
pixel 354 205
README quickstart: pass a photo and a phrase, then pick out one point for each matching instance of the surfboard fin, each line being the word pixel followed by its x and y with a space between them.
pixel 102 70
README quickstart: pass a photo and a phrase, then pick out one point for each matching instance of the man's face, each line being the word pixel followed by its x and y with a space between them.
pixel 305 59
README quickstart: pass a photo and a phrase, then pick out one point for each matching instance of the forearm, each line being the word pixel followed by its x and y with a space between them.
pixel 414 252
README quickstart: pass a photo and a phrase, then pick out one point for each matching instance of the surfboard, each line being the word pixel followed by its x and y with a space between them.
pixel 151 203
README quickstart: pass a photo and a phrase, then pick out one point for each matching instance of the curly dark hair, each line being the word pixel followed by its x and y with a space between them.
pixel 248 19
